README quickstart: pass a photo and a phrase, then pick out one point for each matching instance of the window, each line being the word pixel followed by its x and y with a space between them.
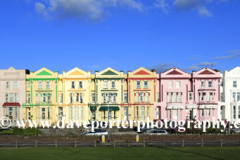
pixel 28 98
pixel 221 83
pixel 61 98
pixel 137 112
pixel 11 97
pixel 105 84
pixel 6 97
pixel 178 84
pixel 80 84
pixel 212 95
pixel 201 96
pixel 169 97
pixel 180 114
pixel 47 85
pixel 93 97
pixel 213 112
pixel 39 97
pixel 145 84
pixel 71 97
pixel 147 111
pixel 202 112
pixel 125 113
pixel 77 97
pixel 234 112
pixel 125 98
pixel 157 95
pixel 40 85
pixel 16 113
pixel 109 97
pixel 190 96
pixel 142 97
pixel 238 96
pixel 207 96
pixel 60 113
pixel 169 114
pixel 179 97
pixel 44 97
pixel 138 84
pixel 49 112
pixel 110 115
pixel 81 97
pixel 49 97
pixel 15 85
pixel 76 113
pixel 222 98
pixel 8 85
pixel 104 97
pixel 174 97
pixel 43 113
pixel 147 97
pixel 202 84
pixel 238 111
pixel 10 112
pixel 16 97
pixel 234 95
pixel 114 97
pixel 234 84
pixel 113 84
pixel 209 84
pixel 81 113
pixel 207 112
pixel 175 114
pixel 142 112
pixel 137 97
pixel 73 84
pixel 170 84
pixel 28 84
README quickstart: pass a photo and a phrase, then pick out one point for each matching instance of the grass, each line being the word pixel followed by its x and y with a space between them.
pixel 200 153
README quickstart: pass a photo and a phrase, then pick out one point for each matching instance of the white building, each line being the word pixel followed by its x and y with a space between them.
pixel 229 105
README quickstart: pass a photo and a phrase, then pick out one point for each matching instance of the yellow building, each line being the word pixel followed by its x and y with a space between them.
pixel 139 94
pixel 41 98
pixel 74 95
pixel 107 90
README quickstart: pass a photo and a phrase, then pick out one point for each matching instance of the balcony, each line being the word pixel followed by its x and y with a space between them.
pixel 47 101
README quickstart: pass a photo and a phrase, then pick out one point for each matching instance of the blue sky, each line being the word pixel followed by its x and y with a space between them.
pixel 123 34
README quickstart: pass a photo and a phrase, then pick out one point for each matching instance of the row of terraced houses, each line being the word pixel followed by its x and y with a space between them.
pixel 80 96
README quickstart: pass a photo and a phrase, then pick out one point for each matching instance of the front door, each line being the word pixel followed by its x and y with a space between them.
pixel 93 115
pixel 191 114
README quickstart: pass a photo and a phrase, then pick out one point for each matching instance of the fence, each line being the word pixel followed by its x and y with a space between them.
pixel 163 143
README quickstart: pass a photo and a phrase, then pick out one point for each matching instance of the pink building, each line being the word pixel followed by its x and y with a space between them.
pixel 182 96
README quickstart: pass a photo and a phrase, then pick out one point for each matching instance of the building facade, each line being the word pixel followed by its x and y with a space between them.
pixel 184 96
pixel 12 93
pixel 139 94
pixel 41 96
pixel 229 105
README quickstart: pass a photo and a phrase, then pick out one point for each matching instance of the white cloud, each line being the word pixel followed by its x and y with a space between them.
pixel 191 5
pixel 163 67
pixel 228 57
pixel 207 63
pixel 82 9
pixel 220 1
pixel 40 9
pixel 192 67
pixel 162 5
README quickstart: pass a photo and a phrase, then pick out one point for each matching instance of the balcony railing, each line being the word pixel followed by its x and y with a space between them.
pixel 47 101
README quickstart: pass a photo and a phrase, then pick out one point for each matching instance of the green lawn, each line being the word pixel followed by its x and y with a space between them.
pixel 121 153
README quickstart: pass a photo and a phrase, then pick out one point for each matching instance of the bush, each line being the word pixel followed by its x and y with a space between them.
pixel 7 132
pixel 26 131
pixel 70 134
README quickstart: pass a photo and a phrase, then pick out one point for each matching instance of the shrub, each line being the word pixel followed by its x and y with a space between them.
pixel 26 131
pixel 70 134
pixel 7 132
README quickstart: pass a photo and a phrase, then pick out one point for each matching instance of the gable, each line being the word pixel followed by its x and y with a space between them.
pixel 174 73
pixel 44 73
pixel 235 71
pixel 109 72
pixel 142 72
pixel 206 72
pixel 76 73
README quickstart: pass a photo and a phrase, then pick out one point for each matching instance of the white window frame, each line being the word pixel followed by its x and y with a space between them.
pixel 190 96
pixel 138 85
pixel 125 98
pixel 8 85
pixel 210 84
pixel 137 97
pixel 43 113
pixel 6 97
pixel 72 84
pixel 114 98
pixel 11 97
pixel 202 84
pixel 179 96
pixel 93 97
pixel 169 97
pixel 174 99
pixel 234 84
pixel 104 98
pixel 39 84
pixel 145 84
pixel 147 97
pixel 10 112
pixel 28 98
pixel 44 99
pixel 113 84
pixel 15 85
pixel 142 97
pixel 170 84
pixel 81 97
pixel 76 113
pixel 105 84
pixel 80 84
pixel 16 97
pixel 175 114
pixel 142 112
pixel 178 84
pixel 47 84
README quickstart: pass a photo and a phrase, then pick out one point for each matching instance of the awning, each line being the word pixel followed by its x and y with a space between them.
pixel 208 106
pixel 202 106
pixel 93 108
pixel 191 106
pixel 169 107
pixel 111 108
pixel 11 104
